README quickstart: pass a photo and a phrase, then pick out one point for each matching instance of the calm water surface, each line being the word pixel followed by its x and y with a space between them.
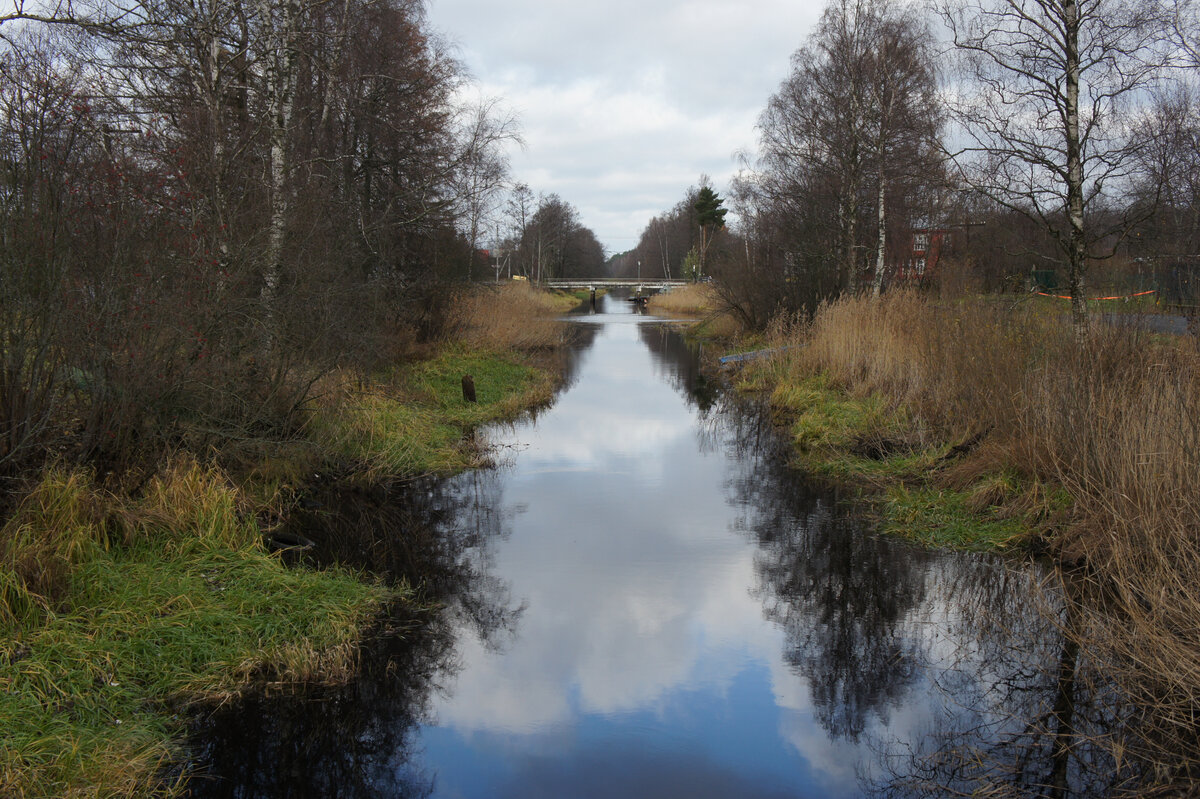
pixel 641 600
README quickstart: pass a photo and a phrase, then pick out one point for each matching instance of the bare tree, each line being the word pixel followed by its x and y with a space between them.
pixel 859 107
pixel 39 145
pixel 847 145
pixel 673 237
pixel 1050 88
pixel 204 208
pixel 1168 179
pixel 905 112
pixel 517 210
pixel 558 244
pixel 482 164
pixel 816 127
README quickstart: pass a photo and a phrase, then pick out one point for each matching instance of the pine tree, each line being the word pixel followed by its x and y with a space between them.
pixel 711 216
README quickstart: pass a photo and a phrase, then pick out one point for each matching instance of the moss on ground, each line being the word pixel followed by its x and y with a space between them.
pixel 867 442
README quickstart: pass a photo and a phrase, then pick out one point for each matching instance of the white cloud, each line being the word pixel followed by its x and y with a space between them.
pixel 624 104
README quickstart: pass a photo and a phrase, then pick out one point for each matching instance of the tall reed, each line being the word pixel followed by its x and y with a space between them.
pixel 1114 420
pixel 510 316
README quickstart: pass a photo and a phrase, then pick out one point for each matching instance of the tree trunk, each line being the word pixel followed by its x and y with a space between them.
pixel 1064 712
pixel 279 76
pixel 664 247
pixel 1076 243
pixel 881 242
pixel 849 219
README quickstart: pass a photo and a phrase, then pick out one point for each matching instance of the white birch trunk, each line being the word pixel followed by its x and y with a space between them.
pixel 280 22
pixel 881 245
pixel 1076 247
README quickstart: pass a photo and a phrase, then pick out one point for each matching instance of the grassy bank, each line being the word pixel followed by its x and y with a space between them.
pixel 699 301
pixel 117 611
pixel 694 299
pixel 1000 402
pixel 908 480
pixel 412 418
pixel 986 424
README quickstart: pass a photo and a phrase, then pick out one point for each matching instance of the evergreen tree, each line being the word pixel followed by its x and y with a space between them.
pixel 710 213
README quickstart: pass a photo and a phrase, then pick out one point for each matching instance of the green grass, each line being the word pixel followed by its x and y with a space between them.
pixel 826 425
pixel 172 609
pixel 418 423
pixel 829 430
pixel 504 386
pixel 944 518
pixel 117 612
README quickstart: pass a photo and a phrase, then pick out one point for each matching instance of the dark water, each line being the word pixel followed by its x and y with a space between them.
pixel 642 600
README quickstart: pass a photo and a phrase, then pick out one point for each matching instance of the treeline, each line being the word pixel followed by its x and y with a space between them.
pixel 665 245
pixel 678 244
pixel 547 240
pixel 204 207
pixel 969 148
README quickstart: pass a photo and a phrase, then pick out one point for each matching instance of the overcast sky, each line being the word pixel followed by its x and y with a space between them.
pixel 624 104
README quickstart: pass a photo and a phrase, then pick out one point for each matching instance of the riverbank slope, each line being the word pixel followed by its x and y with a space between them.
pixel 119 609
pixel 985 424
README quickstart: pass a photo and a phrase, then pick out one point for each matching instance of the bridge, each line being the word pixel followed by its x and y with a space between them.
pixel 612 283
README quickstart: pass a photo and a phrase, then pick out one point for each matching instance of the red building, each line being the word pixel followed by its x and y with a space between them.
pixel 914 263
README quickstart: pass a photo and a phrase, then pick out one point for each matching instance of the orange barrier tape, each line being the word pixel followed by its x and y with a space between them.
pixel 1089 299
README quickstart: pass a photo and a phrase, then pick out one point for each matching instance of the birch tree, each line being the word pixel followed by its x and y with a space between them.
pixel 280 36
pixel 816 129
pixel 1048 96
pixel 482 167
pixel 905 112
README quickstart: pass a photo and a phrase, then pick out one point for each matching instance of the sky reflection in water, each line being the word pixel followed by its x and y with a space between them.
pixel 643 663
pixel 645 602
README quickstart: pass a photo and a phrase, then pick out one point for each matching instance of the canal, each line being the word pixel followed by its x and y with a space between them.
pixel 641 599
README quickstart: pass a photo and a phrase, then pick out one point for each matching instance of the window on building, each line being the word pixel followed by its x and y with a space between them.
pixel 920 242
pixel 919 265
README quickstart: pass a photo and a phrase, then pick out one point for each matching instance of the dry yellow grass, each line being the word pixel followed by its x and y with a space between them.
pixel 1113 420
pixel 695 299
pixel 510 316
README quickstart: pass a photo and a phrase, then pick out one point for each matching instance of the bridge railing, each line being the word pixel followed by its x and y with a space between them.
pixel 606 282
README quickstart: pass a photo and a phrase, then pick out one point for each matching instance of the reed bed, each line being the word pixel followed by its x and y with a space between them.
pixel 1112 421
pixel 694 299
pixel 511 316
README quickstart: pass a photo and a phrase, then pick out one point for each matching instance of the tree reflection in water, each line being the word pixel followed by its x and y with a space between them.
pixel 1015 710
pixel 846 601
pixel 356 740
pixel 678 361
pixel 1024 713
pixel 955 671
pixel 350 741
pixel 434 535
